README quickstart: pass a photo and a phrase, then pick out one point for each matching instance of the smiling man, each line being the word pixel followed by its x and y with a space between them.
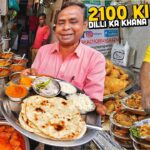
pixel 71 60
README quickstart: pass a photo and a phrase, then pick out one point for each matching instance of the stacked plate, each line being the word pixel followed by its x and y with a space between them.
pixel 121 122
pixel 10 64
pixel 133 103
pixel 119 130
pixel 140 134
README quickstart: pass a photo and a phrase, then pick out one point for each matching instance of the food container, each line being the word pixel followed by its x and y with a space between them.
pixel 139 137
pixel 27 145
pixel 136 146
pixel 23 80
pixel 67 88
pixel 140 146
pixel 5 62
pixel 113 121
pixel 19 89
pixel 124 123
pixel 130 109
pixel 15 105
pixel 15 102
pixel 140 143
pixel 19 60
pixel 44 85
pixel 119 132
pixel 6 55
pixel 14 75
pixel 16 68
pixel 3 75
pixel 127 143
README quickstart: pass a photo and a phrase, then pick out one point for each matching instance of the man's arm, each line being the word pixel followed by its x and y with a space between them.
pixel 145 85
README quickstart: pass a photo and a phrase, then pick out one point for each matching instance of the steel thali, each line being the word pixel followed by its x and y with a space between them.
pixel 12 117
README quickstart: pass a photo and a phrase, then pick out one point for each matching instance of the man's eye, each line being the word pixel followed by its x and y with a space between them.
pixel 60 23
pixel 74 22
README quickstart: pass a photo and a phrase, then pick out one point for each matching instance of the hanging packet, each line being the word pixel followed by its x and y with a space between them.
pixel 13 4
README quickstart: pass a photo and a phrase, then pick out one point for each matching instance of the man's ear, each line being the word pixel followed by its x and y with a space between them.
pixel 85 24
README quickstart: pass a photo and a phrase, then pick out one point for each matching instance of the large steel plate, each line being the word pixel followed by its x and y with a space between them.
pixel 12 117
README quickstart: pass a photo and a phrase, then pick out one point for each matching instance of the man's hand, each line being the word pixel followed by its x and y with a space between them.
pixel 29 71
pixel 100 108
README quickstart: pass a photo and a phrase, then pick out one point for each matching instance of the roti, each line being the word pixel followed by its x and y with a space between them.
pixel 26 124
pixel 56 118
pixel 28 128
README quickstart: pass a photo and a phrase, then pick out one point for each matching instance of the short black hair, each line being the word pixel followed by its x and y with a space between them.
pixel 79 4
pixel 42 14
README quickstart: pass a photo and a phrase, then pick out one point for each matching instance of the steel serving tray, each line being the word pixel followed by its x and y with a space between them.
pixel 12 117
pixel 131 80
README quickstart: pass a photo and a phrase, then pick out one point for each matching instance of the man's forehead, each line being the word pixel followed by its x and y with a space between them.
pixel 69 16
pixel 72 11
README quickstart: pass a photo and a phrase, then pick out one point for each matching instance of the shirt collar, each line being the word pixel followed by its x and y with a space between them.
pixel 77 51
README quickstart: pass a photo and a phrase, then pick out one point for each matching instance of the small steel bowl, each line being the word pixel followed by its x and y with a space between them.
pixel 56 83
pixel 65 93
pixel 16 99
pixel 6 65
pixel 14 75
pixel 4 55
pixel 19 60
pixel 138 124
pixel 11 67
pixel 127 143
pixel 143 144
pixel 6 77
pixel 136 146
pixel 112 120
pixel 17 79
pixel 116 135
pixel 15 102
pixel 132 110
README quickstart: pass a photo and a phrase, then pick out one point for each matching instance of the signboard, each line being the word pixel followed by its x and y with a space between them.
pixel 100 39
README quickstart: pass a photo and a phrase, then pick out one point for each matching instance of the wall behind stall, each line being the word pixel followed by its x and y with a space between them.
pixel 52 12
pixel 139 39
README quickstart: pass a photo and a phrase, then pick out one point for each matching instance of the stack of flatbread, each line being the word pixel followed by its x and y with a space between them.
pixel 53 118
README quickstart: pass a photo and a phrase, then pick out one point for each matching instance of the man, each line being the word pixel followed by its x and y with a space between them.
pixel 69 59
pixel 145 81
pixel 42 35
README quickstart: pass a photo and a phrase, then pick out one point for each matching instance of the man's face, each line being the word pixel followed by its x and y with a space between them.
pixel 41 20
pixel 70 25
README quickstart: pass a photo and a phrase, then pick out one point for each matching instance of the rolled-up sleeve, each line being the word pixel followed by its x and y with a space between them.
pixel 94 84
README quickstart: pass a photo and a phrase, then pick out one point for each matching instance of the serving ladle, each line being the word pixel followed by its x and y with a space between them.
pixel 22 58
